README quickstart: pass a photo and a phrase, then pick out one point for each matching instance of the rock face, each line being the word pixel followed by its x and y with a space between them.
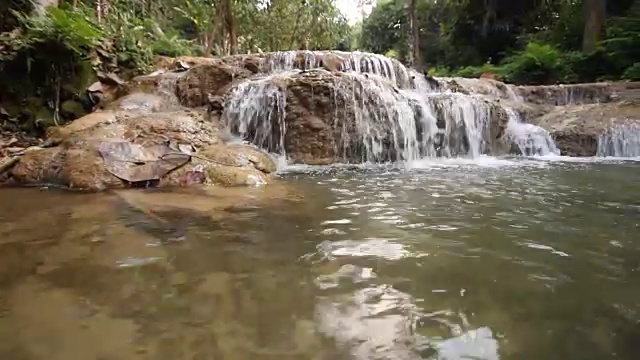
pixel 79 159
pixel 576 128
pixel 576 115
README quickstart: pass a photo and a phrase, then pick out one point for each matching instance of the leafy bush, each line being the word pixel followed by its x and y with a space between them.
pixel 537 64
pixel 441 72
pixel 170 43
pixel 49 58
pixel 622 45
pixel 632 72
pixel 477 71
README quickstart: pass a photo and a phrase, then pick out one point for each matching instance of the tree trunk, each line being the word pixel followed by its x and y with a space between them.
pixel 489 14
pixel 413 37
pixel 206 40
pixel 595 13
pixel 231 27
pixel 219 27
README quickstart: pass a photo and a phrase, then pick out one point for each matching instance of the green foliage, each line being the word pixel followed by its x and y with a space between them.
pixel 48 56
pixel 476 71
pixel 174 46
pixel 75 31
pixel 632 72
pixel 537 64
pixel 8 10
pixel 384 29
pixel 527 41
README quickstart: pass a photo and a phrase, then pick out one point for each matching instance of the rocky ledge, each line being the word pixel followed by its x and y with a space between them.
pixel 131 144
pixel 577 115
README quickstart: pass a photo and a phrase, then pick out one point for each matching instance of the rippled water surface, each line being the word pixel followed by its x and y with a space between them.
pixel 498 259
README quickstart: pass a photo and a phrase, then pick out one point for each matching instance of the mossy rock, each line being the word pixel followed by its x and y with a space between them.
pixel 72 109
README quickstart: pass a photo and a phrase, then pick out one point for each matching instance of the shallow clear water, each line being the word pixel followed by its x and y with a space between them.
pixel 492 259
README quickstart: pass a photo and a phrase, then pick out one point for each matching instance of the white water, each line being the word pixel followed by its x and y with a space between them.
pixel 383 112
pixel 620 140
pixel 257 111
pixel 167 88
pixel 531 140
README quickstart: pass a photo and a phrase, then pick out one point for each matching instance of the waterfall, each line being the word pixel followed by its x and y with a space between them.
pixel 380 111
pixel 530 139
pixel 620 140
pixel 256 110
pixel 166 88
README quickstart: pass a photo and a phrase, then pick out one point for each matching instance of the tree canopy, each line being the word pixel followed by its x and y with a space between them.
pixel 534 41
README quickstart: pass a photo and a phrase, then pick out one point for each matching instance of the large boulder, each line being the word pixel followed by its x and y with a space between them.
pixel 138 147
pixel 202 81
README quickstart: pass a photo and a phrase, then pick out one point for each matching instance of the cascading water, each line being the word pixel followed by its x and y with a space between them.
pixel 530 139
pixel 382 111
pixel 167 88
pixel 257 110
pixel 620 140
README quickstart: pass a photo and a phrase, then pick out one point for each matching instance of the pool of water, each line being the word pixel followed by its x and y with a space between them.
pixel 491 259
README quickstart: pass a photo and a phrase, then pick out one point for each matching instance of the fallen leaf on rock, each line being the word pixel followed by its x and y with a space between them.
pixel 135 163
pixel 180 147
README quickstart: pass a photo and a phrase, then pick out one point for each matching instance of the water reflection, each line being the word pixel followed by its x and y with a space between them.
pixel 526 260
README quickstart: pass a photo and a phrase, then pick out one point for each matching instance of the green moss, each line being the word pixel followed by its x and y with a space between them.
pixel 72 109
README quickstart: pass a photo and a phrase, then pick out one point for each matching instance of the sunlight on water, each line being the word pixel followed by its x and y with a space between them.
pixel 447 259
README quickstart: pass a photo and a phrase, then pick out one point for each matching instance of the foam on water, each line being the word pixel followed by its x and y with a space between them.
pixel 531 140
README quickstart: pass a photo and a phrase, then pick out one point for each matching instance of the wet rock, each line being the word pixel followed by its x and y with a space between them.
pixel 195 87
pixel 139 101
pixel 575 128
pixel 110 78
pixel 90 148
pixel 333 62
pixel 235 176
pixel 56 135
pixel 215 104
pixel 238 155
pixel 566 94
pixel 169 63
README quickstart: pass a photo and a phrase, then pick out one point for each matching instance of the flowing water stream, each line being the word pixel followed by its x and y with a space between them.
pixel 452 255
pixel 493 258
